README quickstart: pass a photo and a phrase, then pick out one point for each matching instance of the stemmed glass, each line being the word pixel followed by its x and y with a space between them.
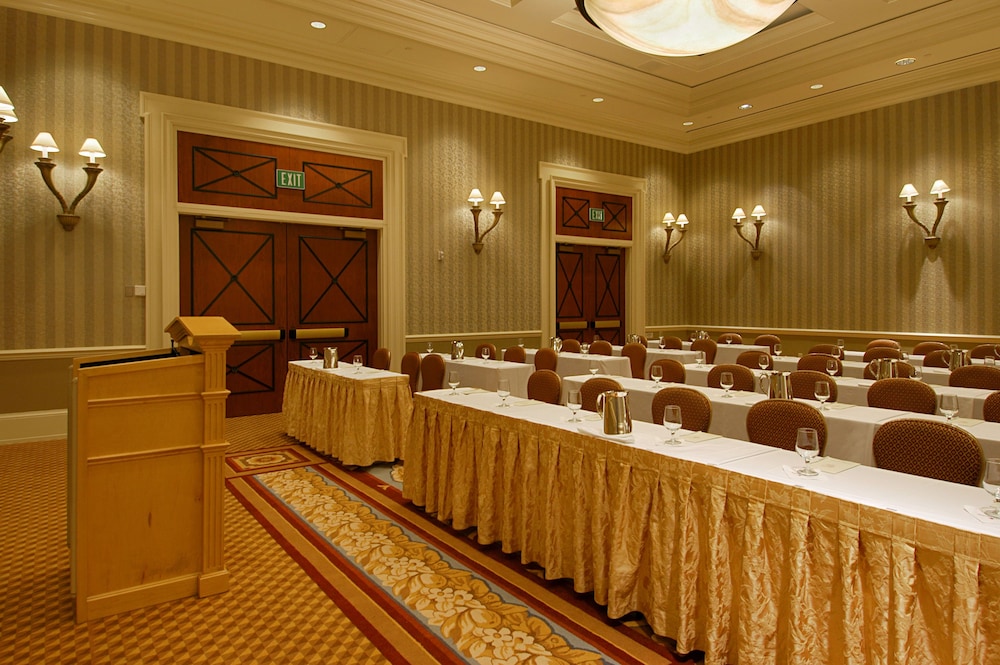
pixel 727 382
pixel 822 392
pixel 991 483
pixel 777 349
pixel 700 358
pixel 763 361
pixel 358 362
pixel 729 340
pixel 672 421
pixel 594 367
pixel 917 373
pixel 453 382
pixel 520 342
pixel 430 347
pixel 656 373
pixel 840 347
pixel 831 367
pixel 949 405
pixel 807 446
pixel 574 404
pixel 585 348
pixel 312 353
pixel 503 389
pixel 486 353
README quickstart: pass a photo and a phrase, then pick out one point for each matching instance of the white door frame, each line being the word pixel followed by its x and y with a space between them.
pixel 165 116
pixel 557 175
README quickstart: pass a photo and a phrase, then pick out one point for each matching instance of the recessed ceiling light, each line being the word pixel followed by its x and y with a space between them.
pixel 687 123
pixel 597 100
pixel 816 86
pixel 745 107
pixel 319 25
pixel 480 68
pixel 903 62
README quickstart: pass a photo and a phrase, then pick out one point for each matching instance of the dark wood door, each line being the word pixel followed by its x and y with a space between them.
pixel 287 287
pixel 590 293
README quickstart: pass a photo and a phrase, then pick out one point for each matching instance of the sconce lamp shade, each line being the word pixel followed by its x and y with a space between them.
pixel 682 220
pixel 739 215
pixel 8 116
pixel 475 197
pixel 674 28
pixel 5 103
pixel 939 188
pixel 758 212
pixel 908 191
pixel 44 143
pixel 497 200
pixel 668 219
pixel 92 149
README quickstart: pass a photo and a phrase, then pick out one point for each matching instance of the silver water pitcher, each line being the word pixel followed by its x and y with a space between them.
pixel 555 343
pixel 776 385
pixel 956 358
pixel 613 406
pixel 883 368
pixel 457 350
pixel 330 357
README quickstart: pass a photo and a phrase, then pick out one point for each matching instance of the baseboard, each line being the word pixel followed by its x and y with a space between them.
pixel 32 426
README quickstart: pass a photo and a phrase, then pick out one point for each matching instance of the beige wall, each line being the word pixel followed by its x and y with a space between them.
pixel 830 190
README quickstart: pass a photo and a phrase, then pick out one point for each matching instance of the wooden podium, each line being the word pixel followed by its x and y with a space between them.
pixel 146 481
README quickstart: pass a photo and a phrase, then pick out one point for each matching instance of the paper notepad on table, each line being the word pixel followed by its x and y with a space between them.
pixel 833 465
pixel 838 405
pixel 966 422
pixel 697 437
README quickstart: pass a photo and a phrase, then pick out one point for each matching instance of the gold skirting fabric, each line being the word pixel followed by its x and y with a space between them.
pixel 357 421
pixel 747 570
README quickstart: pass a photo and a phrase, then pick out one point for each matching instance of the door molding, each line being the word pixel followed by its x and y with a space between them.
pixel 164 116
pixel 552 176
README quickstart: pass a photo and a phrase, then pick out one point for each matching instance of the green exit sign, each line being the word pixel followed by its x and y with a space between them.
pixel 291 179
pixel 597 214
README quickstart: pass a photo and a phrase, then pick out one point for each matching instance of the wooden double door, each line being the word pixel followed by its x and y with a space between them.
pixel 590 292
pixel 286 287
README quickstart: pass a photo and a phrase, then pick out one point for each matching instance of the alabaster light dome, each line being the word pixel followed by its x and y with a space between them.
pixel 681 27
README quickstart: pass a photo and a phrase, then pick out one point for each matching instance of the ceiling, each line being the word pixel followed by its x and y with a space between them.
pixel 544 62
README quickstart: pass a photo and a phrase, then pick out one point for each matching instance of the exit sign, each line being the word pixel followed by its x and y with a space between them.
pixel 597 214
pixel 291 179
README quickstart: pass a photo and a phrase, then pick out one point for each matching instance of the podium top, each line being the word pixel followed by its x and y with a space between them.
pixel 197 332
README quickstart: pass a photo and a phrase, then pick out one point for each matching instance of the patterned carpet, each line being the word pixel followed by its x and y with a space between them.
pixel 275 611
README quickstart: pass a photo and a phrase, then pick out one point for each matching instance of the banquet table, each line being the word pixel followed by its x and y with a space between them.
pixel 937 376
pixel 570 364
pixel 726 354
pixel 478 373
pixel 850 428
pixel 970 400
pixel 716 541
pixel 652 355
pixel 359 417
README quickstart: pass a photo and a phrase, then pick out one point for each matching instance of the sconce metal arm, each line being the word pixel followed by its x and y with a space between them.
pixel 667 247
pixel 755 252
pixel 4 136
pixel 478 244
pixel 68 218
pixel 931 238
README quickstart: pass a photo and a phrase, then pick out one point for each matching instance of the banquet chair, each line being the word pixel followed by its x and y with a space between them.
pixel 776 422
pixel 671 342
pixel 708 346
pixel 381 357
pixel 767 340
pixel 904 370
pixel 881 352
pixel 751 359
pixel 636 354
pixel 923 348
pixel 432 371
pixel 730 338
pixel 544 385
pixel 514 354
pixel 696 409
pixel 902 395
pixel 643 340
pixel 991 407
pixel 594 387
pixel 743 378
pixel 571 345
pixel 601 347
pixel 975 376
pixel 930 449
pixel 887 343
pixel 817 362
pixel 673 370
pixel 982 350
pixel 410 365
pixel 828 349
pixel 937 358
pixel 804 384
pixel 486 345
pixel 546 359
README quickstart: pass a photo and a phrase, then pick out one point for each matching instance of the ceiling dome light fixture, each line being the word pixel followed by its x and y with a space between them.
pixel 681 27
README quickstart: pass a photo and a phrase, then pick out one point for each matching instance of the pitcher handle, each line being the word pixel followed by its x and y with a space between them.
pixel 600 404
pixel 763 384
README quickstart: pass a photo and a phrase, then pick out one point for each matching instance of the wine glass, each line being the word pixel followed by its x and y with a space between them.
pixel 763 361
pixel 949 405
pixel 807 446
pixel 430 347
pixel 777 349
pixel 520 342
pixel 700 358
pixel 503 389
pixel 656 373
pixel 574 404
pixel 729 340
pixel 991 483
pixel 831 367
pixel 358 362
pixel 663 342
pixel 594 367
pixel 727 382
pixel 585 348
pixel 672 422
pixel 840 347
pixel 312 353
pixel 486 353
pixel 453 382
pixel 822 392
pixel 917 373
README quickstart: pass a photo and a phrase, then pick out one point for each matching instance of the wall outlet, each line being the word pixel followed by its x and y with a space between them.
pixel 137 290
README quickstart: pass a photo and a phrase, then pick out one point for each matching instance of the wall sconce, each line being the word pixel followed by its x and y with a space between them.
pixel 668 226
pixel 939 188
pixel 757 213
pixel 44 143
pixel 7 118
pixel 475 198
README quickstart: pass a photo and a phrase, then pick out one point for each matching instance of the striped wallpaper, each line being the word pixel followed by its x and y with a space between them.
pixel 838 249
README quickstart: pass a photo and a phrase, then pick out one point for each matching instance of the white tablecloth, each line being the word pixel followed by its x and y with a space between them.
pixel 936 376
pixel 580 363
pixel 970 400
pixel 479 373
pixel 652 355
pixel 726 354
